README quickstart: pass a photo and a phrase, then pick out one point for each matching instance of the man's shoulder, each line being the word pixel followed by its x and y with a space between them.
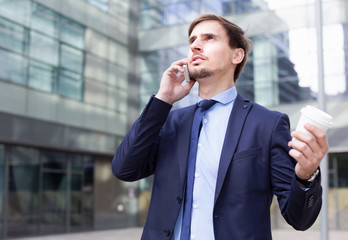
pixel 258 109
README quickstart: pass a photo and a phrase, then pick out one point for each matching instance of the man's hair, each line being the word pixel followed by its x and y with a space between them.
pixel 236 35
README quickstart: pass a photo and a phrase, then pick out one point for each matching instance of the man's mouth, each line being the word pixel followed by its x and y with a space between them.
pixel 197 59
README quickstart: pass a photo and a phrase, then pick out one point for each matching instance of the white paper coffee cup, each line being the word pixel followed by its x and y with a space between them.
pixel 315 116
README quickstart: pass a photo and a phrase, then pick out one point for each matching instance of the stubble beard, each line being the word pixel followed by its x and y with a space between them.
pixel 202 73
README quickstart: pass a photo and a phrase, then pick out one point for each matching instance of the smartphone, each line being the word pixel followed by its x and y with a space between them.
pixel 186 73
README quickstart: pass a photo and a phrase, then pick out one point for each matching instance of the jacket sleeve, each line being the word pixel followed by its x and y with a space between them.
pixel 299 207
pixel 135 158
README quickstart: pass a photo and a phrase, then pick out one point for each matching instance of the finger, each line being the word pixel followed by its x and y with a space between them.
pixel 306 151
pixel 301 147
pixel 319 135
pixel 180 63
pixel 175 68
pixel 307 144
pixel 297 155
pixel 301 160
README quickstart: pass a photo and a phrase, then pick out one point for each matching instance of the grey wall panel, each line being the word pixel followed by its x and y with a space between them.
pixel 22 130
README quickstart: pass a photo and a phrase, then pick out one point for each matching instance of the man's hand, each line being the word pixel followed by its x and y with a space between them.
pixel 171 88
pixel 308 150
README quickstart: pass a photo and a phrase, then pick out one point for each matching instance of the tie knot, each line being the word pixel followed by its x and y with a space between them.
pixel 206 104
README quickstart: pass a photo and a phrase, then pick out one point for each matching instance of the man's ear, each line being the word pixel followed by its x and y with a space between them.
pixel 238 56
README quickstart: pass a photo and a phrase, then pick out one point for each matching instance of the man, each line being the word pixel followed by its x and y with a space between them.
pixel 245 153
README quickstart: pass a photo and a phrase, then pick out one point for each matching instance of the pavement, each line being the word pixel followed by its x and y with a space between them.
pixel 135 233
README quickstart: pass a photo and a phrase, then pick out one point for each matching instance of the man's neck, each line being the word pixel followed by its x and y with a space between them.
pixel 209 88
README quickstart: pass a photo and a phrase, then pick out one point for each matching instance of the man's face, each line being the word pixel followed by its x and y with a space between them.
pixel 210 53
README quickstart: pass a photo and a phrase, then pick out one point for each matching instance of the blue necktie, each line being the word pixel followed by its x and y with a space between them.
pixel 202 107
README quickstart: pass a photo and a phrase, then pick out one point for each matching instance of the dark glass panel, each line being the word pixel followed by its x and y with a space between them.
pixel 87 192
pixel 23 195
pixel 2 163
pixel 54 160
pixel 76 202
pixel 54 203
pixel 76 162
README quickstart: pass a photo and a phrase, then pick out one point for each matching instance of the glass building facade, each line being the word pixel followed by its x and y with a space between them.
pixel 75 74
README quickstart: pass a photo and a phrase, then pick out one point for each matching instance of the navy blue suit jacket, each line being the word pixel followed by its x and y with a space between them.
pixel 254 166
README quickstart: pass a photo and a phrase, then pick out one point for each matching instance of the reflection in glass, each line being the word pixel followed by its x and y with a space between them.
pixel 155 14
pixel 245 83
pixel 13 36
pixel 44 20
pixel 13 67
pixel 76 162
pixel 76 202
pixel 72 33
pixel 23 195
pixel 71 58
pixel 16 10
pixel 54 160
pixel 54 202
pixel 150 18
pixel 44 48
pixel 42 76
pixel 88 192
pixel 2 173
pixel 70 84
pixel 181 12
pixel 101 4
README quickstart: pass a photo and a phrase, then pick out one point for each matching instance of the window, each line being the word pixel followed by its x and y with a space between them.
pixel 44 48
pixel 70 84
pixel 33 55
pixel 101 4
pixel 48 191
pixel 42 76
pixel 54 191
pixel 16 10
pixel 88 192
pixel 23 195
pixel 72 33
pixel 13 67
pixel 2 173
pixel 71 58
pixel 13 36
pixel 45 20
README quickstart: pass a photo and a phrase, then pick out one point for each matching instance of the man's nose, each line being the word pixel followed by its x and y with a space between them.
pixel 196 46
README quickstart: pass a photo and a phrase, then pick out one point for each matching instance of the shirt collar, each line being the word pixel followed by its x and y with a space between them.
pixel 226 96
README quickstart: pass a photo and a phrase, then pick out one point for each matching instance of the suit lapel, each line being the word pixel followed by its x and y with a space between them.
pixel 184 137
pixel 235 126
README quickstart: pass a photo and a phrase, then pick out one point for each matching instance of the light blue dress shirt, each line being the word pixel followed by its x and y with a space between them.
pixel 211 139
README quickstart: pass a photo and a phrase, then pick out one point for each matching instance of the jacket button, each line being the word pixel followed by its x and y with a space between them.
pixel 167 232
pixel 178 199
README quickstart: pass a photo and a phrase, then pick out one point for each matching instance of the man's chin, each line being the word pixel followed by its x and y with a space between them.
pixel 200 73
